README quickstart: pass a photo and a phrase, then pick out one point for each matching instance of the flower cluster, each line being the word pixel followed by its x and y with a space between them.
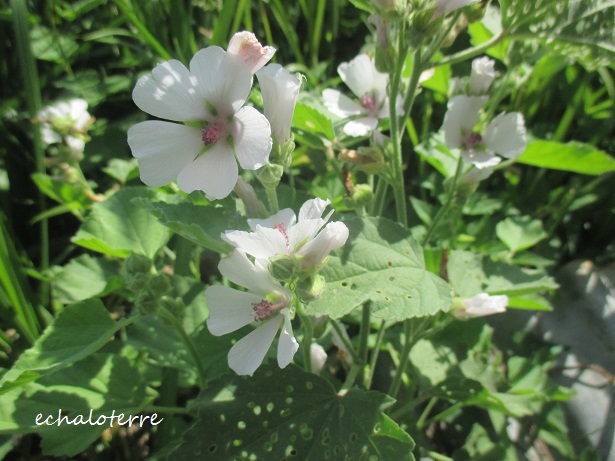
pixel 216 130
pixel 66 122
pixel 303 244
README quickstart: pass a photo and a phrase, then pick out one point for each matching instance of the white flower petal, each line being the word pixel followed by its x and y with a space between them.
pixel 460 118
pixel 287 345
pixel 359 74
pixel 483 74
pixel 251 137
pixel 246 46
pixel 76 146
pixel 303 231
pixel 163 149
pixel 169 92
pixel 79 112
pixel 240 270
pixel 361 127
pixel 332 237
pixel 262 244
pixel 48 134
pixel 480 158
pixel 480 305
pixel 341 105
pixel 229 309
pixel 506 135
pixel 318 357
pixel 313 209
pixel 223 80
pixel 248 353
pixel 286 217
pixel 214 172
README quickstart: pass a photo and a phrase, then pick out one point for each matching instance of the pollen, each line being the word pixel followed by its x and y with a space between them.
pixel 368 101
pixel 264 309
pixel 212 133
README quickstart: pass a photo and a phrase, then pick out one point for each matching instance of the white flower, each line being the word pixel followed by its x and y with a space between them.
pixel 284 234
pixel 480 305
pixel 66 121
pixel 280 90
pixel 318 357
pixel 248 48
pixel 370 86
pixel 505 135
pixel 482 75
pixel 208 98
pixel 265 304
pixel 447 6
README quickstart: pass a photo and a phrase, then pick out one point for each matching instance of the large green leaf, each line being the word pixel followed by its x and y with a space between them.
pixel 581 29
pixel 383 264
pixel 109 381
pixel 119 226
pixel 520 232
pixel 290 414
pixel 573 156
pixel 77 332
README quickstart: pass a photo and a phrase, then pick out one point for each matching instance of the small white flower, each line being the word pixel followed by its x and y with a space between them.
pixel 482 76
pixel 318 357
pixel 208 98
pixel 505 135
pixel 370 86
pixel 246 46
pixel 264 304
pixel 480 305
pixel 280 90
pixel 284 234
pixel 66 121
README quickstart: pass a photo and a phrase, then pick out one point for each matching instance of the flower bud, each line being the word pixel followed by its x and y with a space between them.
pixel 175 307
pixel 283 267
pixel 361 196
pixel 311 288
pixel 482 76
pixel 479 306
pixel 147 305
pixel 136 263
pixel 246 46
pixel 318 357
pixel 270 174
pixel 159 285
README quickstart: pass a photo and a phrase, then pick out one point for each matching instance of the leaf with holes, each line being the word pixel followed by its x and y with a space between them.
pixel 291 415
pixel 383 264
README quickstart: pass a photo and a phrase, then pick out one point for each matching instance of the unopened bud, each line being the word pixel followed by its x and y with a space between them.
pixel 160 285
pixel 311 287
pixel 175 307
pixel 270 175
pixel 147 305
pixel 283 267
pixel 136 263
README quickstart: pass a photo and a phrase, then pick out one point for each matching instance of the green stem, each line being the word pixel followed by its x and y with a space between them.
pixel 144 33
pixel 308 334
pixel 188 343
pixel 438 457
pixel 413 84
pixel 470 52
pixel 347 345
pixel 403 359
pixel 607 79
pixel 272 197
pixel 317 32
pixel 375 353
pixel 29 73
pixel 350 378
pixel 421 421
pixel 364 334
pixel 449 201
pixel 379 197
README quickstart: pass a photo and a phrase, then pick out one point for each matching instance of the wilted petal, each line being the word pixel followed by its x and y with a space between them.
pixel 246 46
pixel 341 105
pixel 480 305
pixel 287 345
pixel 214 172
pixel 506 135
pixel 169 92
pixel 248 353
pixel 251 138
pixel 229 309
pixel 163 149
pixel 221 79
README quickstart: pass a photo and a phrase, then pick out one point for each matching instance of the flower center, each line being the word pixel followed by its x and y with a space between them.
pixel 212 133
pixel 368 101
pixel 282 229
pixel 472 140
pixel 264 310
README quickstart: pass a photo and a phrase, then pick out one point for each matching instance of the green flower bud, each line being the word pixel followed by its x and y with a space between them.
pixel 283 267
pixel 159 285
pixel 137 282
pixel 270 174
pixel 311 287
pixel 147 305
pixel 138 264
pixel 175 307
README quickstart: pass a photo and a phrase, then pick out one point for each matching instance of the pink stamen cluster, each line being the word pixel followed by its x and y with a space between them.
pixel 264 310
pixel 280 227
pixel 472 140
pixel 368 101
pixel 212 133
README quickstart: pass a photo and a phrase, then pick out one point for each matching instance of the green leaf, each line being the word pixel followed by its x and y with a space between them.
pixel 118 226
pixel 581 29
pixel 573 156
pixel 280 414
pixel 201 224
pixel 122 170
pixel 77 332
pixel 383 264
pixel 50 46
pixel 311 120
pixel 520 232
pixel 85 277
pixel 107 382
pixel 470 274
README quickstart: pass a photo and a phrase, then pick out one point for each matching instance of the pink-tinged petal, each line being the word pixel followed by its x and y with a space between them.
pixel 286 217
pixel 163 149
pixel 248 353
pixel 229 309
pixel 506 135
pixel 332 237
pixel 313 209
pixel 240 270
pixel 341 105
pixel 287 345
pixel 251 138
pixel 169 92
pixel 214 172
pixel 361 126
pixel 358 75
pixel 246 46
pixel 222 80
pixel 460 118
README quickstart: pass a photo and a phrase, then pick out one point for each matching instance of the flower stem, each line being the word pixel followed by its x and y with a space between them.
pixel 272 196
pixel 470 52
pixel 444 210
pixel 404 356
pixel 347 345
pixel 308 335
pixel 350 378
pixel 374 358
